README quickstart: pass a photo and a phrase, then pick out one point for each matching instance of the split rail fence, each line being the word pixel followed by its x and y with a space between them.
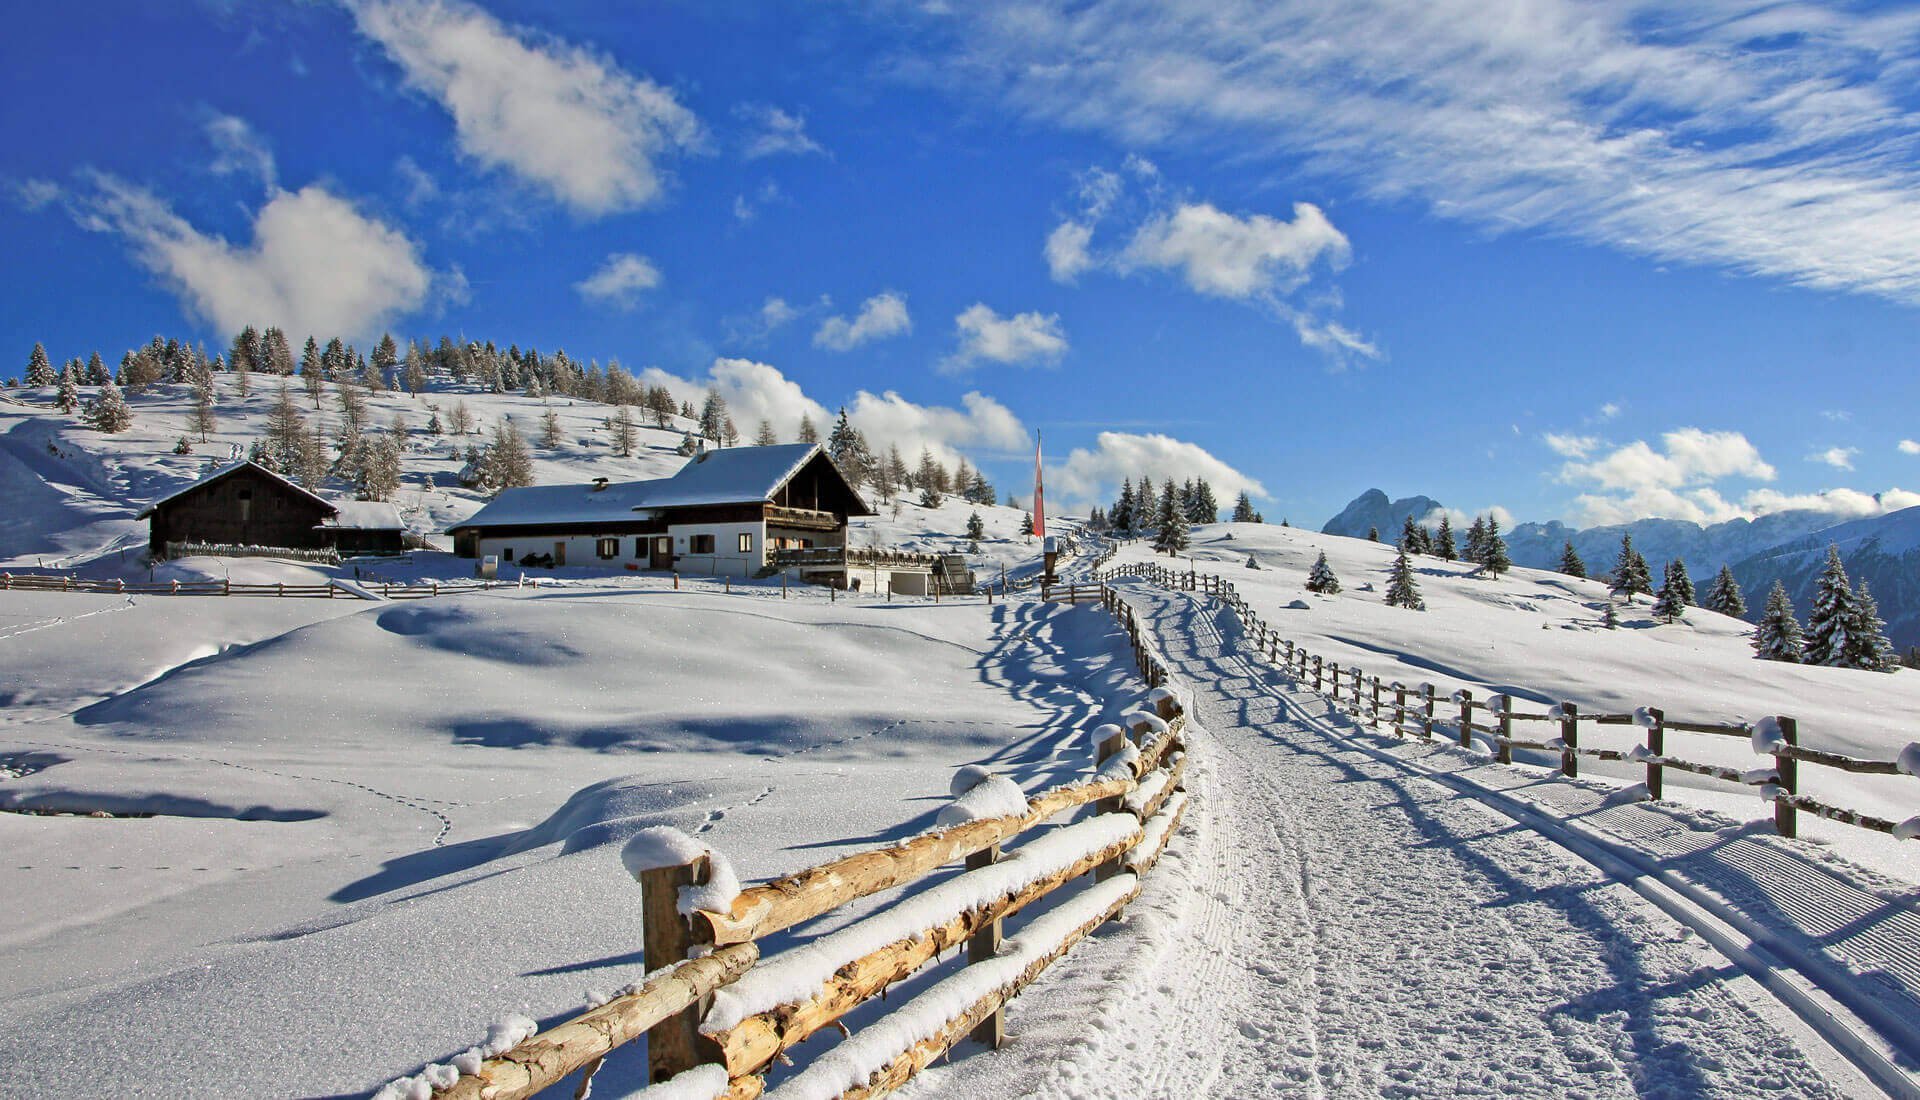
pixel 41 582
pixel 717 1016
pixel 1414 711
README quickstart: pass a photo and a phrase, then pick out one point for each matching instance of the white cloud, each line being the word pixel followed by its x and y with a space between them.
pixel 1843 503
pixel 746 208
pixel 776 132
pixel 1910 447
pixel 1066 251
pixel 775 312
pixel 36 194
pixel 316 265
pixel 569 121
pixel 238 150
pixel 1608 411
pixel 1572 446
pixel 1840 458
pixel 1675 481
pixel 1093 476
pixel 753 392
pixel 619 281
pixel 1019 340
pixel 881 316
pixel 1768 139
pixel 1237 257
pixel 421 186
pixel 1461 520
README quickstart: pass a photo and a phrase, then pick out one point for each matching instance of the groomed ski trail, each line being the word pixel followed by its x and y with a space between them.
pixel 1330 924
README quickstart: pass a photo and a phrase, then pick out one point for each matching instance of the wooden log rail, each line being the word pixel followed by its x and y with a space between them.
pixel 43 582
pixel 697 958
pixel 1410 712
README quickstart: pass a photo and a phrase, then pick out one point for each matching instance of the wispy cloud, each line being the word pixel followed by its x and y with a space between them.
pixel 1571 446
pixel 619 281
pixel 569 121
pixel 774 132
pixel 1681 132
pixel 240 150
pixel 1910 447
pixel 881 316
pixel 1840 458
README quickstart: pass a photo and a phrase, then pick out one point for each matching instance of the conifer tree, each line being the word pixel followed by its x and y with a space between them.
pixel 1321 579
pixel 509 462
pixel 1676 576
pixel 1122 515
pixel 1867 644
pixel 626 434
pixel 310 459
pixel 689 445
pixel 1413 537
pixel 285 429
pixel 108 411
pixel 1630 573
pixel 765 437
pixel 1403 590
pixel 1777 635
pixel 97 372
pixel 1570 562
pixel 1373 534
pixel 1834 612
pixel 713 416
pixel 1243 509
pixel 1476 541
pixel 1026 524
pixel 203 415
pixel 69 396
pixel 808 433
pixel 1173 537
pixel 415 371
pixel 1493 550
pixel 929 477
pixel 1146 509
pixel 1724 595
pixel 1443 544
pixel 460 421
pixel 976 527
pixel 386 356
pixel 39 370
pixel 380 467
pixel 1609 617
pixel 1668 605
pixel 550 435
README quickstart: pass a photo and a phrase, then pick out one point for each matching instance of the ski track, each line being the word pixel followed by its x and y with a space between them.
pixel 1332 925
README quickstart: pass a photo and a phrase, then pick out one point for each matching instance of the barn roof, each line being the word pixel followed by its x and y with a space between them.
pixel 229 470
pixel 732 475
pixel 364 515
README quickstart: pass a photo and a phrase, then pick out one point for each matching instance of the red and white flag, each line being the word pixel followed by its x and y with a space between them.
pixel 1039 493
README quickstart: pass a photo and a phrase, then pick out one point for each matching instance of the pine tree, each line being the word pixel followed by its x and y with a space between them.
pixel 808 433
pixel 848 449
pixel 1243 509
pixel 550 436
pixel 1173 537
pixel 1476 541
pixel 1682 584
pixel 415 371
pixel 386 356
pixel 380 468
pixel 108 411
pixel 931 478
pixel 1867 644
pixel 1493 550
pixel 1669 605
pixel 1123 508
pixel 69 397
pixel 460 421
pixel 1570 562
pixel 39 370
pixel 976 527
pixel 1320 579
pixel 689 445
pixel 1610 617
pixel 765 437
pixel 1413 537
pixel 509 462
pixel 285 429
pixel 1026 524
pixel 97 372
pixel 1443 544
pixel 1146 509
pixel 1373 534
pixel 279 355
pixel 203 416
pixel 1630 573
pixel 1403 590
pixel 1724 595
pixel 1834 612
pixel 310 458
pixel 713 416
pixel 1777 636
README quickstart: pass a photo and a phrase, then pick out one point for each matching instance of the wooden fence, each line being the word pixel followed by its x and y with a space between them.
pixel 717 1016
pixel 41 582
pixel 1414 711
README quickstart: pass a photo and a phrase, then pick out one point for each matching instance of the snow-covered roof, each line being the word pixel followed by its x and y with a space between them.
pixel 233 468
pixel 732 475
pixel 364 515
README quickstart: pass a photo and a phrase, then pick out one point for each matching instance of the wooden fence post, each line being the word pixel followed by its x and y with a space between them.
pixel 1336 681
pixel 1504 753
pixel 1570 740
pixel 674 1045
pixel 1108 747
pixel 1656 746
pixel 1316 672
pixel 1373 714
pixel 1399 708
pixel 982 946
pixel 1426 712
pixel 1465 698
pixel 1786 816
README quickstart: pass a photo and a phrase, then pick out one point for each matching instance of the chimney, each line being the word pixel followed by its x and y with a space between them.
pixel 599 483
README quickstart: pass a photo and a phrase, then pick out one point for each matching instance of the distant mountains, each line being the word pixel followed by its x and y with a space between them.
pixel 1789 546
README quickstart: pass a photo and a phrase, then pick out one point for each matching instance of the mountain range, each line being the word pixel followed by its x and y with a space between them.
pixel 1788 546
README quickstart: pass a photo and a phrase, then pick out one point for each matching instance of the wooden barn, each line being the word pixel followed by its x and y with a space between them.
pixel 732 512
pixel 246 504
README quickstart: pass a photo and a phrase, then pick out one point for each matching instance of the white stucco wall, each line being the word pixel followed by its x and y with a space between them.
pixel 726 560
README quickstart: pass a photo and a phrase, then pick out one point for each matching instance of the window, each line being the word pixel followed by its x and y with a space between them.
pixel 507 555
pixel 701 544
pixel 746 542
pixel 608 548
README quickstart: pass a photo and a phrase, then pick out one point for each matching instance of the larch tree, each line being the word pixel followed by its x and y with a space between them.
pixel 1321 579
pixel 550 436
pixel 1776 637
pixel 808 433
pixel 765 437
pixel 1403 589
pixel 509 461
pixel 626 434
pixel 285 429
pixel 1724 595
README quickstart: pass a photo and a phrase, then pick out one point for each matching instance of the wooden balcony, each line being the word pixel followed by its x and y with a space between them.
pixel 804 519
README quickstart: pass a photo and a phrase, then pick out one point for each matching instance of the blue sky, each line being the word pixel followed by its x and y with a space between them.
pixel 1570 260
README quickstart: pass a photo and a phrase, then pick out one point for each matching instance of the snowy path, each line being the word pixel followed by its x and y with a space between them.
pixel 1340 926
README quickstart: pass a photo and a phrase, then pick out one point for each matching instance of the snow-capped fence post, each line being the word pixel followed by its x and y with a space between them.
pixel 1465 699
pixel 1109 747
pixel 1786 817
pixel 1570 740
pixel 1504 754
pixel 674 1044
pixel 1656 747
pixel 1399 708
pixel 982 946
pixel 1426 712
pixel 1336 681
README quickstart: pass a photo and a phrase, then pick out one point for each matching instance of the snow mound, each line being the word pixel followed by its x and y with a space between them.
pixel 659 846
pixel 994 796
pixel 1909 760
pixel 1767 738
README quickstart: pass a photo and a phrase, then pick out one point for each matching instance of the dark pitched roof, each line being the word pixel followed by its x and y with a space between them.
pixel 229 470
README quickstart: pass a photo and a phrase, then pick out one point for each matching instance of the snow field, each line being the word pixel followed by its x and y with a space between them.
pixel 445 788
pixel 1536 636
